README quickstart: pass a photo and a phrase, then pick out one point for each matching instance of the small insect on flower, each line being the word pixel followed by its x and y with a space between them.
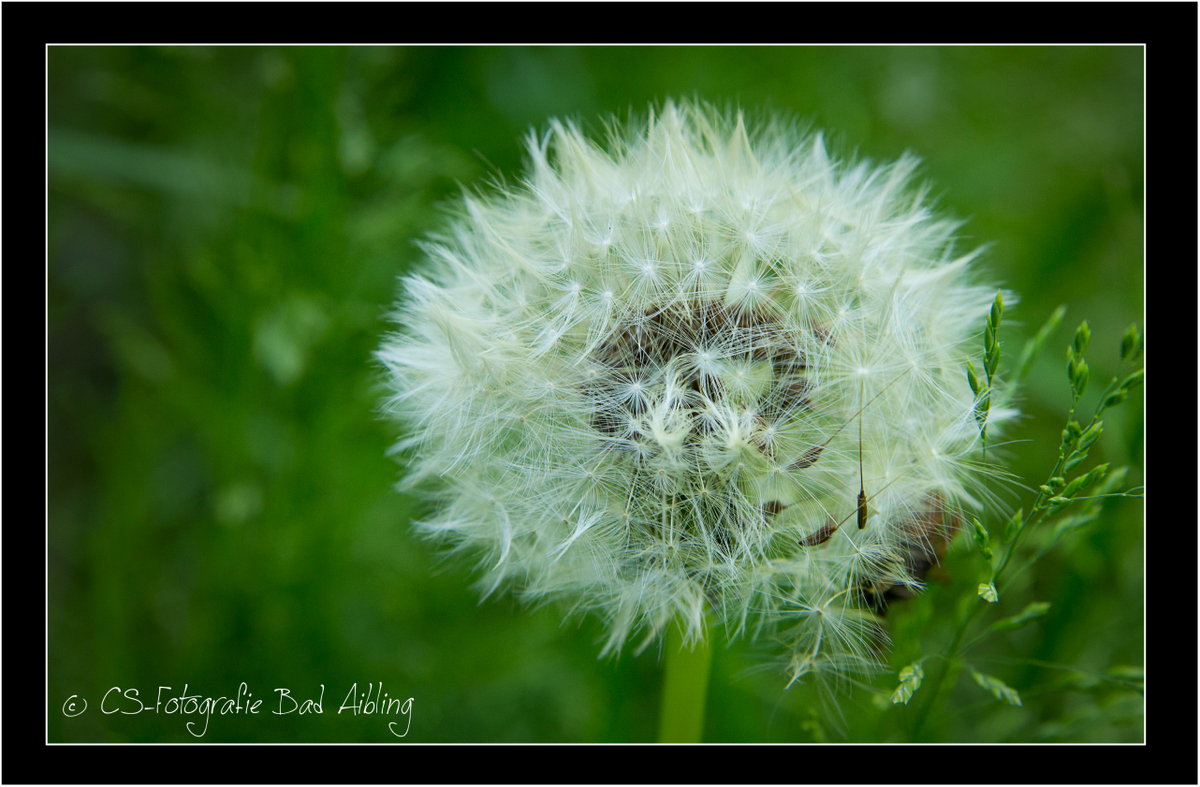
pixel 627 382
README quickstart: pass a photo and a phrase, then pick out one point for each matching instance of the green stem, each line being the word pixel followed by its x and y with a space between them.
pixel 947 665
pixel 685 687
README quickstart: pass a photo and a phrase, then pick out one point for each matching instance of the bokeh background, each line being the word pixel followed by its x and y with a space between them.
pixel 226 226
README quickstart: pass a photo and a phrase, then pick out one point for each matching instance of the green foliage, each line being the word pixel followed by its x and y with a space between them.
pixel 982 540
pixel 1131 345
pixel 225 229
pixel 910 680
pixel 1054 496
pixel 998 688
pixel 1032 611
pixel 991 362
pixel 1013 526
pixel 1034 345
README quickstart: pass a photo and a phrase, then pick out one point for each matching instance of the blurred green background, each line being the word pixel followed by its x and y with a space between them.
pixel 226 226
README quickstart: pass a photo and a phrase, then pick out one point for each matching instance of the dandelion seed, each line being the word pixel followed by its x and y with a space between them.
pixel 692 343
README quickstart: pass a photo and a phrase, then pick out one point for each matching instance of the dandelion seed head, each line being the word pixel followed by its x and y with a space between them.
pixel 662 364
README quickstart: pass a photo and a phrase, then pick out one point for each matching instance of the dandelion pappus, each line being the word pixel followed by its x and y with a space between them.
pixel 862 493
pixel 830 527
pixel 643 363
pixel 914 536
pixel 810 457
pixel 924 537
pixel 822 534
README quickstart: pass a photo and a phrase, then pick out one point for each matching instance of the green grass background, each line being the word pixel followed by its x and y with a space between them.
pixel 226 227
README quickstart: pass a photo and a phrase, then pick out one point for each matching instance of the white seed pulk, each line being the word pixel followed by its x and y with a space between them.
pixel 652 379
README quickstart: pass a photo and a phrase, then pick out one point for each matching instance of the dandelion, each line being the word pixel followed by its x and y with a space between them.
pixel 700 372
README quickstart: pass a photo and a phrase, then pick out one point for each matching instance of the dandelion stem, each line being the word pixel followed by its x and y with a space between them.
pixel 685 687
